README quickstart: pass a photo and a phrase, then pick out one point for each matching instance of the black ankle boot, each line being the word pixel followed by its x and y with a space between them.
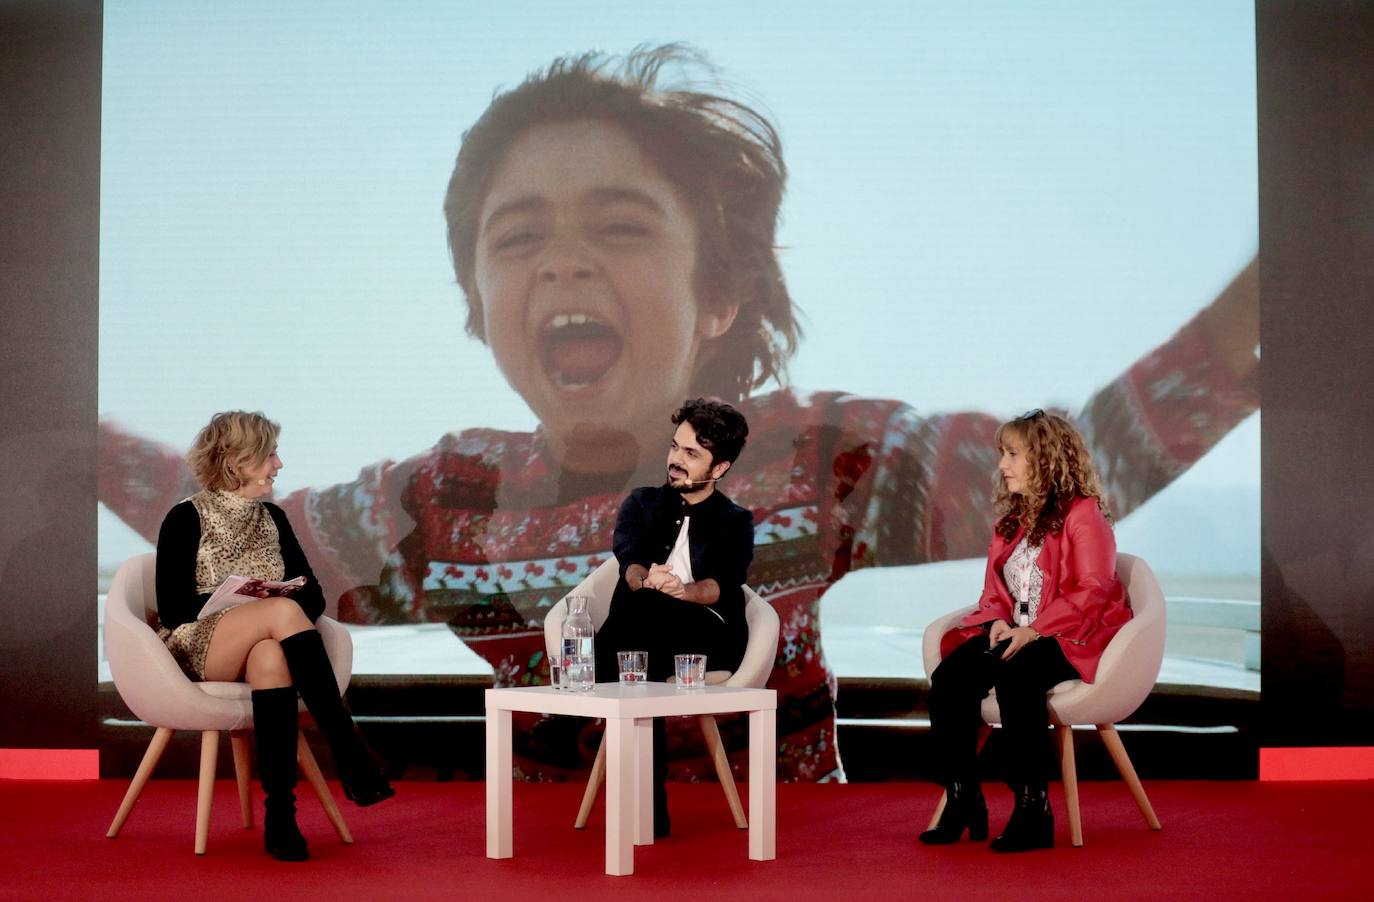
pixel 274 729
pixel 313 677
pixel 1032 822
pixel 964 809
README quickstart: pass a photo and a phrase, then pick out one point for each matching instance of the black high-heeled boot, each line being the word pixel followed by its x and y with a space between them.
pixel 965 808
pixel 1032 822
pixel 313 677
pixel 274 731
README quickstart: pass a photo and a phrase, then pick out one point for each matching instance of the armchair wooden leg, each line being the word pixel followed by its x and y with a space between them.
pixel 145 770
pixel 594 781
pixel 311 768
pixel 727 780
pixel 1112 740
pixel 243 775
pixel 1068 770
pixel 209 754
pixel 939 810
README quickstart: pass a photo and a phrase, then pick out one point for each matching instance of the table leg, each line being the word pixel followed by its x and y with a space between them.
pixel 621 756
pixel 644 781
pixel 499 843
pixel 763 774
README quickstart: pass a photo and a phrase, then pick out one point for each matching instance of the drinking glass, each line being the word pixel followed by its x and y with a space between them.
pixel 634 666
pixel 690 670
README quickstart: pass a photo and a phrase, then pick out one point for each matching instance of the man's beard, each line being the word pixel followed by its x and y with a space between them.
pixel 686 485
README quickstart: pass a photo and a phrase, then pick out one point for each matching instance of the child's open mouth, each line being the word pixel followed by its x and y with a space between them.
pixel 577 349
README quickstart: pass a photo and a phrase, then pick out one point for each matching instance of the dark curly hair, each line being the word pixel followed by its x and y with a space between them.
pixel 720 428
pixel 723 157
pixel 1061 471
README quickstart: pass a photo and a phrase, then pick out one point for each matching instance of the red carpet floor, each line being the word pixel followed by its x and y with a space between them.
pixel 1220 841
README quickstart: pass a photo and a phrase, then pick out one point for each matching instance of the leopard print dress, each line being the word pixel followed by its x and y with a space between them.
pixel 238 537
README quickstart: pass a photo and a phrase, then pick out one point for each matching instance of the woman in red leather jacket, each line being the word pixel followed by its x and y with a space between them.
pixel 1051 602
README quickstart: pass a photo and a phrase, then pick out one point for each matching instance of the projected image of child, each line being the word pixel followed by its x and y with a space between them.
pixel 614 237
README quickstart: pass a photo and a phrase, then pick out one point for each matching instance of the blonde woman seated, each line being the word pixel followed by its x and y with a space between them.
pixel 1051 602
pixel 228 529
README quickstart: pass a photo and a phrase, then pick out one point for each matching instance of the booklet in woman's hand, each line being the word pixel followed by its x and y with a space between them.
pixel 237 589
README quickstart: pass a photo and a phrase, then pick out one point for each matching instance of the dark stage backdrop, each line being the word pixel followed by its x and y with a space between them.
pixel 49 227
pixel 1316 68
pixel 1316 96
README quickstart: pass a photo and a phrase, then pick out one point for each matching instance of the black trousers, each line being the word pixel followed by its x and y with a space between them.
pixel 957 689
pixel 664 626
pixel 651 621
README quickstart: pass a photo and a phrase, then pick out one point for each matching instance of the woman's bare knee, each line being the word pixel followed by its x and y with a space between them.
pixel 285 617
pixel 244 627
pixel 267 666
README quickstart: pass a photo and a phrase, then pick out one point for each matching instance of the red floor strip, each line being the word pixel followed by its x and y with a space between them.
pixel 1353 763
pixel 49 764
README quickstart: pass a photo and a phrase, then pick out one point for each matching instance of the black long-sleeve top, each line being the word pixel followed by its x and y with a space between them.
pixel 720 537
pixel 178 541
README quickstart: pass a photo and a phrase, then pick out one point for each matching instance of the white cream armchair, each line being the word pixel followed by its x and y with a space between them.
pixel 157 692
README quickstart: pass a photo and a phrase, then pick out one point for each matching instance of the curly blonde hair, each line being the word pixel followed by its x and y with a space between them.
pixel 1061 471
pixel 230 441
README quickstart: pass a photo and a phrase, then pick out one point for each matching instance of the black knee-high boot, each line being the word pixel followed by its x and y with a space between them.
pixel 274 729
pixel 313 678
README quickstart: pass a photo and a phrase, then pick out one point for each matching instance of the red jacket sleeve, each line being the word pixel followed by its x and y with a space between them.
pixel 993 603
pixel 1088 598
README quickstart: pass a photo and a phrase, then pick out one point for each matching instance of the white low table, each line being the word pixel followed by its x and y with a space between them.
pixel 629 713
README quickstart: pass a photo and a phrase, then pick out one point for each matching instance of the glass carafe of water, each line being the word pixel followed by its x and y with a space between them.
pixel 579 659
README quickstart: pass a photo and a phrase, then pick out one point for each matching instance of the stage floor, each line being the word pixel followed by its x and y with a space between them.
pixel 1221 840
